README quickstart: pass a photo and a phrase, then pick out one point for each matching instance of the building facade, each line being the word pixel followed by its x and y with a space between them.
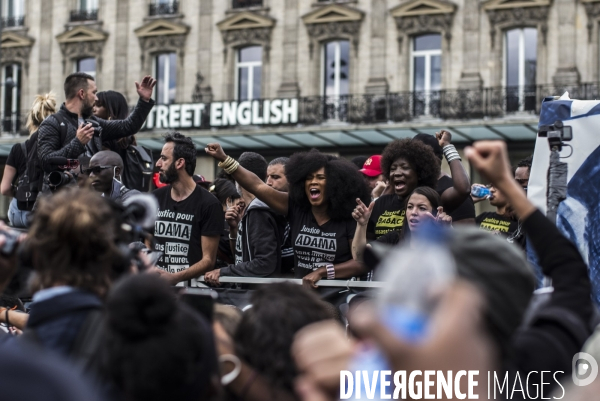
pixel 277 76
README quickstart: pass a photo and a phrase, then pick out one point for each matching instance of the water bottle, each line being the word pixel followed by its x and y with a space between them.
pixel 416 275
pixel 480 192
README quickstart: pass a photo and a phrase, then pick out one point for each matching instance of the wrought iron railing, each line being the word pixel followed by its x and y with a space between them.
pixel 246 3
pixel 84 15
pixel 13 22
pixel 169 8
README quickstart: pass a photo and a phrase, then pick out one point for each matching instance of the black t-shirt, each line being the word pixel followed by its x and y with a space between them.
pixel 503 225
pixel 314 244
pixel 16 158
pixel 466 210
pixel 388 214
pixel 180 226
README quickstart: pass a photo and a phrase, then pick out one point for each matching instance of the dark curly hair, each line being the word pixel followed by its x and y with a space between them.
pixel 73 240
pixel 184 149
pixel 154 347
pixel 419 155
pixel 344 182
pixel 265 334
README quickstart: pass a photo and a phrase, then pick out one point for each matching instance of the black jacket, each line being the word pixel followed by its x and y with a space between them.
pixel 260 236
pixel 49 136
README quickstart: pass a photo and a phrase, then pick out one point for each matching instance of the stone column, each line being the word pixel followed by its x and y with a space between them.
pixel 203 91
pixel 377 84
pixel 45 45
pixel 470 77
pixel 567 72
pixel 121 32
pixel 289 83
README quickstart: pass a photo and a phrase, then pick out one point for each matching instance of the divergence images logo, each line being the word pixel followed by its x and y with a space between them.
pixel 585 369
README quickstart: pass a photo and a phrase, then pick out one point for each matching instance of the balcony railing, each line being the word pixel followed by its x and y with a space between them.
pixel 12 123
pixel 164 8
pixel 246 3
pixel 84 15
pixel 13 22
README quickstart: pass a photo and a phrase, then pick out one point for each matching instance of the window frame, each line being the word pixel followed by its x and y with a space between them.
pixel 91 5
pixel 78 60
pixel 428 54
pixel 167 73
pixel 250 65
pixel 337 70
pixel 15 105
pixel 19 6
pixel 521 86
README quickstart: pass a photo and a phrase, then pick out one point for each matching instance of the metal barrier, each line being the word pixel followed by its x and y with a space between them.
pixel 321 283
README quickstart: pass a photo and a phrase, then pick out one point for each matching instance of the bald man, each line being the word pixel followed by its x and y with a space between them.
pixel 105 176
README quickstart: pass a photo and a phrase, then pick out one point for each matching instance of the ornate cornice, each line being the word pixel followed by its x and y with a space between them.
pixel 247 28
pixel 502 18
pixel 592 9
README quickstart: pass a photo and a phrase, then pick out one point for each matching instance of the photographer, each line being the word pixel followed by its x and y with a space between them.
pixel 73 130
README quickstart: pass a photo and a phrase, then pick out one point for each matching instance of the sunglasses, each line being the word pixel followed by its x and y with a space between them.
pixel 96 169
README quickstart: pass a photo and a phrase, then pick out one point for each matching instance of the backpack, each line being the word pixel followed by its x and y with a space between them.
pixel 30 182
pixel 139 166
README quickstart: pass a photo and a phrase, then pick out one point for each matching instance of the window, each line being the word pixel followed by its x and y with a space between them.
pixel 246 3
pixel 426 72
pixel 87 65
pixel 166 76
pixel 87 10
pixel 336 62
pixel 164 7
pixel 520 71
pixel 13 12
pixel 249 73
pixel 11 97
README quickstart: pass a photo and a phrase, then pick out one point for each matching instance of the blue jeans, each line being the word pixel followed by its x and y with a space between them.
pixel 17 218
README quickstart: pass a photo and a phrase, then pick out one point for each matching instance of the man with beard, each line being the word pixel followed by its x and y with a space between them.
pixel 190 219
pixel 70 133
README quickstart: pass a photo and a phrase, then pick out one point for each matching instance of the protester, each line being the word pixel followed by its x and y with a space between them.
pixel 455 189
pixel 423 204
pixel 190 219
pixel 266 332
pixel 72 245
pixel 477 328
pixel 229 197
pixel 69 133
pixel 318 208
pixel 112 105
pixel 373 176
pixel 105 170
pixel 523 171
pixel 276 179
pixel 503 220
pixel 16 172
pixel 276 174
pixel 154 347
pixel 256 232
pixel 408 164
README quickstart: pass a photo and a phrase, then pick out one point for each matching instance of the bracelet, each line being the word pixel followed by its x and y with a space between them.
pixel 230 170
pixel 229 165
pixel 330 271
pixel 451 153
pixel 232 239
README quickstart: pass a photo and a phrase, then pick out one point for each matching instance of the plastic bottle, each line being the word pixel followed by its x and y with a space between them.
pixel 480 192
pixel 416 276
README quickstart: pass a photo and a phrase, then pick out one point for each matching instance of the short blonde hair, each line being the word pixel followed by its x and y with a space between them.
pixel 42 107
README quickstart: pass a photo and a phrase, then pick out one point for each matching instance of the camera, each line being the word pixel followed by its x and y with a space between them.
pixel 557 134
pixel 95 125
pixel 61 175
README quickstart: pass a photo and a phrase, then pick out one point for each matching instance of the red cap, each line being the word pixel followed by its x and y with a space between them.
pixel 372 166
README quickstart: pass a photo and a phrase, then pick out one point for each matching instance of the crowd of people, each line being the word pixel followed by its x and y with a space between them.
pixel 100 284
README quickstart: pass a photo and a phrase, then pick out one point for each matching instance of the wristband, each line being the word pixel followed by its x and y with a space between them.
pixel 450 153
pixel 330 271
pixel 229 165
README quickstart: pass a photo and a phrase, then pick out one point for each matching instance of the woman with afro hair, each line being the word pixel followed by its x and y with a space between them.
pixel 318 207
pixel 407 164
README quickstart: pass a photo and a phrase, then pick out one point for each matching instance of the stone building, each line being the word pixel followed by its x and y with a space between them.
pixel 277 76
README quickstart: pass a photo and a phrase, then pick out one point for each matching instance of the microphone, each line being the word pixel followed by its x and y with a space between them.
pixel 141 210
